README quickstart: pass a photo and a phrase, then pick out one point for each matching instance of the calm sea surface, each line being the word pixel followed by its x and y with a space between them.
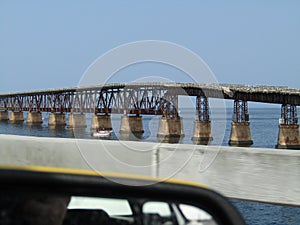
pixel 264 130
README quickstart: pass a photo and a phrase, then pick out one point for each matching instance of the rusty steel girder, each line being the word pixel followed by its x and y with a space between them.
pixel 289 114
pixel 240 112
pixel 130 100
pixel 202 108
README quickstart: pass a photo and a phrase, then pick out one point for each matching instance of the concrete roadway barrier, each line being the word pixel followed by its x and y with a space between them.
pixel 256 174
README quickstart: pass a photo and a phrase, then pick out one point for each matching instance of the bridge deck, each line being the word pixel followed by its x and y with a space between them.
pixel 267 94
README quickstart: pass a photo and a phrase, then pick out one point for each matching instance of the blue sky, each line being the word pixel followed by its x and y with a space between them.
pixel 49 44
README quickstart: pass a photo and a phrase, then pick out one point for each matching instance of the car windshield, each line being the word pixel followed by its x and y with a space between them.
pixel 28 208
pixel 113 207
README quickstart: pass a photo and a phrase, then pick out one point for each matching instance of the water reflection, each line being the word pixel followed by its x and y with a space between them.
pixel 131 136
pixel 202 141
pixel 79 132
pixel 34 127
pixel 171 140
pixel 59 131
pixel 16 122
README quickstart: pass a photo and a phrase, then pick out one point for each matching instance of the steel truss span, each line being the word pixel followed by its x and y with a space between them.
pixel 139 98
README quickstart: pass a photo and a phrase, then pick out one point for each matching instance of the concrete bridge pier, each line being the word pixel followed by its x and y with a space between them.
pixel 34 118
pixel 202 132
pixel 288 136
pixel 240 134
pixel 57 119
pixel 16 117
pixel 3 115
pixel 131 124
pixel 240 127
pixel 202 126
pixel 170 127
pixel 76 120
pixel 101 121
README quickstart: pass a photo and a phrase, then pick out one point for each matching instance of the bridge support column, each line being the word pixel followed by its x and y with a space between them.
pixel 202 132
pixel 57 119
pixel 34 117
pixel 202 127
pixel 101 121
pixel 76 120
pixel 240 127
pixel 131 124
pixel 288 136
pixel 170 127
pixel 3 115
pixel 16 117
pixel 240 134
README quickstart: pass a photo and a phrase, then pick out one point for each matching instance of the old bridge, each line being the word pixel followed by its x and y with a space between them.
pixel 136 99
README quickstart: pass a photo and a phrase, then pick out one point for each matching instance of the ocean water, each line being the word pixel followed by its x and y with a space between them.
pixel 264 130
